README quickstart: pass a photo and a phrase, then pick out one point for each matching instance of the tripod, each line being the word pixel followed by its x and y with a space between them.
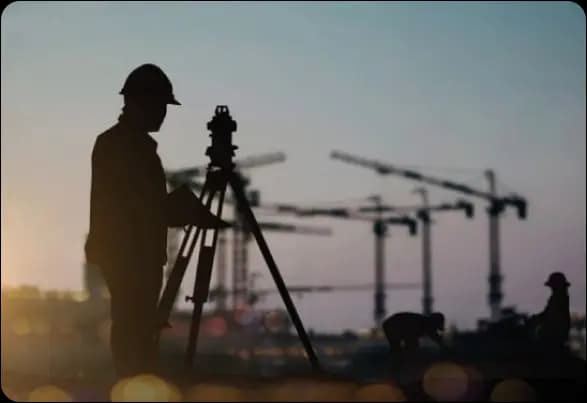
pixel 220 174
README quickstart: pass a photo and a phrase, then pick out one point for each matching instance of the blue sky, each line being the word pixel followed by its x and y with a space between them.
pixel 481 85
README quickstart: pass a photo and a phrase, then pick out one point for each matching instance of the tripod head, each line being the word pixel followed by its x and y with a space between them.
pixel 222 150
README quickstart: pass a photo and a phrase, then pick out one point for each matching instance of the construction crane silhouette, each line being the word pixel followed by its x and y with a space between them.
pixel 423 214
pixel 257 294
pixel 496 207
pixel 380 225
pixel 241 233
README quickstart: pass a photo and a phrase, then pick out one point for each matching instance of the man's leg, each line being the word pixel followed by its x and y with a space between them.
pixel 121 342
pixel 134 295
pixel 149 287
pixel 412 345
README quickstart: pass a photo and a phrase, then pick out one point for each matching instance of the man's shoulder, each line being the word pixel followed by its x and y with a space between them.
pixel 108 141
pixel 108 136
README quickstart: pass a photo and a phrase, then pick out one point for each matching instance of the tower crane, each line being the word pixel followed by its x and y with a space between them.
pixel 380 225
pixel 497 205
pixel 423 214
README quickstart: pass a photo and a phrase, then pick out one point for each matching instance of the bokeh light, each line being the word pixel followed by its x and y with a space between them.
pixel 245 316
pixel 290 390
pixel 144 388
pixel 21 326
pixel 214 393
pixel 306 390
pixel 379 393
pixel 513 390
pixel 215 326
pixel 475 384
pixel 80 296
pixel 244 354
pixel 445 381
pixel 40 327
pixel 104 293
pixel 49 393
pixel 331 392
pixel 273 322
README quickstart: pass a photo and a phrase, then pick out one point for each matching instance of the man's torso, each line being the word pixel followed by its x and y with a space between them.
pixel 128 205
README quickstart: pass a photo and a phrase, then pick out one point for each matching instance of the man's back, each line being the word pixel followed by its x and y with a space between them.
pixel 556 319
pixel 408 324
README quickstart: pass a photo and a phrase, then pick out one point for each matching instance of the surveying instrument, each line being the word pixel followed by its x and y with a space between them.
pixel 220 173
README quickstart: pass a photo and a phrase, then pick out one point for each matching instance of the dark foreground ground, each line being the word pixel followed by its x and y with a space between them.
pixel 440 381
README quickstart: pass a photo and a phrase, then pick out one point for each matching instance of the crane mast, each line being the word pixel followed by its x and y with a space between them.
pixel 423 214
pixel 380 225
pixel 427 298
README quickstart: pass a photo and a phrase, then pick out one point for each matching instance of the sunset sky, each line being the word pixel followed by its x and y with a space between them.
pixel 438 86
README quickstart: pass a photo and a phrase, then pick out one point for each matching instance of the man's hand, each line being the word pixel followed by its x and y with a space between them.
pixel 185 208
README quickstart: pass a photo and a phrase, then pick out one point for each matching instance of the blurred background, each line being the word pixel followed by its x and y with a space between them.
pixel 448 90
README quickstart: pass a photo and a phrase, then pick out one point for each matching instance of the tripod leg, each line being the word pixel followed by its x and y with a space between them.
pixel 181 262
pixel 202 286
pixel 174 280
pixel 291 309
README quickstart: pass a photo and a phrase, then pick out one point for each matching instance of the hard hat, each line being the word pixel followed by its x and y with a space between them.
pixel 149 80
pixel 557 279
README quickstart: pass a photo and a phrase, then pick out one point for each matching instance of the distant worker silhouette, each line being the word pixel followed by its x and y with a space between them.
pixel 554 322
pixel 405 329
pixel 130 211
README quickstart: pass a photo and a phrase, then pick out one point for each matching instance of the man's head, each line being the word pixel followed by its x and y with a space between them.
pixel 148 114
pixel 557 281
pixel 147 91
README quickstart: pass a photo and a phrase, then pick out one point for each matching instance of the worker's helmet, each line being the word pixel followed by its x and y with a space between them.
pixel 149 80
pixel 557 280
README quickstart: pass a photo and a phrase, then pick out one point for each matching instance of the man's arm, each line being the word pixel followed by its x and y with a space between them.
pixel 184 208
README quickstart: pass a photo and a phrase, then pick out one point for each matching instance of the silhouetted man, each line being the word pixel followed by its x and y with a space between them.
pixel 130 211
pixel 405 329
pixel 554 323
